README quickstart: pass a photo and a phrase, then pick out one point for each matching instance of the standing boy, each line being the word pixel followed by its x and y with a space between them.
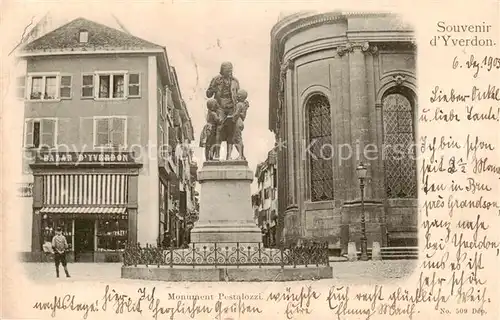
pixel 60 245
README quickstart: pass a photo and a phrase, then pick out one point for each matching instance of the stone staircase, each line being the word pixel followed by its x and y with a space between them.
pixel 395 253
pixel 387 253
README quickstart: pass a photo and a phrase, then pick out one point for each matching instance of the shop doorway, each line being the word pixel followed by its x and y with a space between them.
pixel 84 240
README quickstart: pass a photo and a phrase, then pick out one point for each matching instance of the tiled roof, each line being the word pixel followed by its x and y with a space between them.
pixel 100 37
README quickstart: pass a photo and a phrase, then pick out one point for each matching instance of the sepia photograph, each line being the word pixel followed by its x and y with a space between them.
pixel 228 161
pixel 115 170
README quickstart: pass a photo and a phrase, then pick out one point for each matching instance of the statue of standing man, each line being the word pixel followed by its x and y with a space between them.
pixel 224 89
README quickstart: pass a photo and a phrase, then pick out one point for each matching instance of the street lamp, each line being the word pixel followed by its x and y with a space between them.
pixel 361 173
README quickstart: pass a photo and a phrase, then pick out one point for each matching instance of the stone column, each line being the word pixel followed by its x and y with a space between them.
pixel 346 165
pixel 290 148
pixel 286 70
pixel 360 121
pixel 373 151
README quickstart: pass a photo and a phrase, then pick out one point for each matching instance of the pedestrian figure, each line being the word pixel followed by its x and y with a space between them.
pixel 60 245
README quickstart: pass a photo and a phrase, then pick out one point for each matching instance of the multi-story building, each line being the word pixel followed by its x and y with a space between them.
pixel 98 104
pixel 265 200
pixel 341 82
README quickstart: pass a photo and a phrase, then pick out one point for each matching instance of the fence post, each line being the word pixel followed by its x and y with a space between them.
pixel 260 255
pixel 215 253
pixel 137 253
pixel 237 254
pixel 159 255
pixel 193 254
pixel 171 248
pixel 282 262
pixel 305 250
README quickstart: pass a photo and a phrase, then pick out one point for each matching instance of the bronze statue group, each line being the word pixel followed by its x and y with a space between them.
pixel 226 111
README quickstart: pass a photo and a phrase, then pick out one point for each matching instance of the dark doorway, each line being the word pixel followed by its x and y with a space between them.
pixel 84 240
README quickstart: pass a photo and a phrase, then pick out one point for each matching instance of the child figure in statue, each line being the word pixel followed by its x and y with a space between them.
pixel 208 138
pixel 240 113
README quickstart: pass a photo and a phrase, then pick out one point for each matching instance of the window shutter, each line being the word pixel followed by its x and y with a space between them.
pixel 65 87
pixel 176 117
pixel 102 132
pixel 118 132
pixel 88 86
pixel 134 85
pixel 21 87
pixel 168 94
pixel 161 101
pixel 48 131
pixel 28 136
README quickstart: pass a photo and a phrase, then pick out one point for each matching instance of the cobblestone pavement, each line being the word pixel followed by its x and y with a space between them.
pixel 359 272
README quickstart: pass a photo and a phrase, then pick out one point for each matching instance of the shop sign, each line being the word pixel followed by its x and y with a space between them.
pixel 84 157
pixel 25 190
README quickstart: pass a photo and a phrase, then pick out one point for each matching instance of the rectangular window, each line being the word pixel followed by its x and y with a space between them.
pixel 52 86
pixel 111 85
pixel 36 88
pixel 104 86
pixel 36 134
pixel 40 133
pixel 65 87
pixel 110 132
pixel 134 85
pixel 112 234
pixel 118 86
pixel 88 86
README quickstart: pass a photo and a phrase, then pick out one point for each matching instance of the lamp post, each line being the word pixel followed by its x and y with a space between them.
pixel 361 172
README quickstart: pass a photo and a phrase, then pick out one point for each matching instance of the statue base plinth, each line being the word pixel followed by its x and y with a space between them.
pixel 225 204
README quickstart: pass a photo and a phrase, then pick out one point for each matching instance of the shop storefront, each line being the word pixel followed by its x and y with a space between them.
pixel 92 197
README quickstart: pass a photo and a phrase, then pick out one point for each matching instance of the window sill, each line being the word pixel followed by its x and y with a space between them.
pixel 110 99
pixel 39 149
pixel 120 148
pixel 43 100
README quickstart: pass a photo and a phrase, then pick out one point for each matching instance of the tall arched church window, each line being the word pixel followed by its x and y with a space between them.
pixel 320 148
pixel 399 137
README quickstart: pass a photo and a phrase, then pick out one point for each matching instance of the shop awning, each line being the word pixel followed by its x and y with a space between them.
pixel 84 210
pixel 90 189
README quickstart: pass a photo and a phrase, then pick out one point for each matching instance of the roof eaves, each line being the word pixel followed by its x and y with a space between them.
pixel 85 52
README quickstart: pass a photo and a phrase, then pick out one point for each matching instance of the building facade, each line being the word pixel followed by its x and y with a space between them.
pixel 99 104
pixel 265 200
pixel 340 83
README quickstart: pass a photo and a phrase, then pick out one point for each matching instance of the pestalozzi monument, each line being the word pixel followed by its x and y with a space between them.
pixel 226 244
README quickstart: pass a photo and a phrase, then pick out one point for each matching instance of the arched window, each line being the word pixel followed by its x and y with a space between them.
pixel 320 148
pixel 399 146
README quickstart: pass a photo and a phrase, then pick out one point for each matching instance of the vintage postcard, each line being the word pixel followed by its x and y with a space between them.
pixel 250 160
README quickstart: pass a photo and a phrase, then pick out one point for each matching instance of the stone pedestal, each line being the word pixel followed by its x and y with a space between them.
pixel 226 214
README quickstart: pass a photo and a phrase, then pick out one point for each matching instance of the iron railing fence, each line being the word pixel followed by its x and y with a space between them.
pixel 224 254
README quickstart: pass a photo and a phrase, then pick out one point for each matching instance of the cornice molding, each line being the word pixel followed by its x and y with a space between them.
pixel 308 18
pixel 295 23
